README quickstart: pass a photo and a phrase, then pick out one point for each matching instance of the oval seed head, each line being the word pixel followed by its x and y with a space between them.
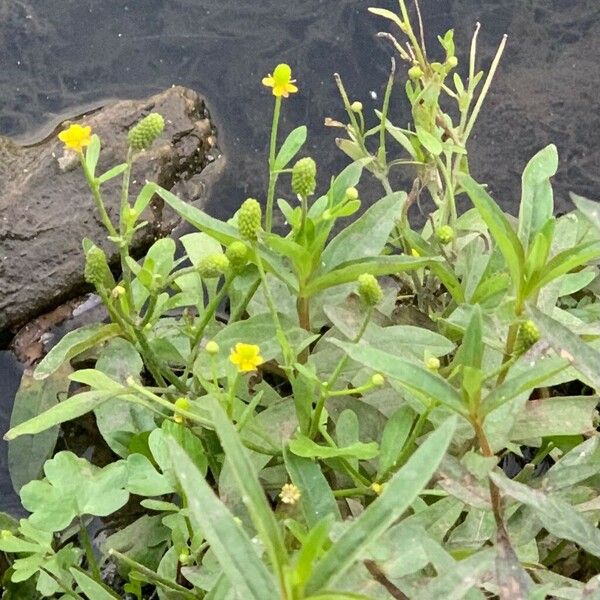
pixel 304 177
pixel 527 336
pixel 142 135
pixel 249 219
pixel 212 347
pixel 445 234
pixel 369 289
pixel 415 72
pixel 378 379
pixel 96 269
pixel 213 265
pixel 237 253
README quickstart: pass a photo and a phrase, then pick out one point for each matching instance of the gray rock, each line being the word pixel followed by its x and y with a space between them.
pixel 46 208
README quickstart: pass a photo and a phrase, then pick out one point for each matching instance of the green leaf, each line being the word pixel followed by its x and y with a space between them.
pixel 470 352
pixel 570 346
pixel 234 550
pixel 305 447
pixel 589 209
pixel 250 489
pixel 92 153
pixel 349 177
pixel 564 262
pixel 68 409
pixel 429 141
pixel 504 236
pixel 118 420
pixel 557 516
pixel 112 173
pixel 393 438
pixel 199 245
pixel 143 479
pixel 27 455
pixel 425 385
pixel 397 496
pixel 74 343
pixel 294 141
pixel 316 500
pixel 223 233
pixel 144 197
pixel 349 272
pixel 367 236
pixel 537 201
pixel 74 487
pixel 562 415
pixel 90 587
pixel 534 375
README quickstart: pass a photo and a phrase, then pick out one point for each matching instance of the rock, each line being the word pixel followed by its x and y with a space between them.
pixel 46 208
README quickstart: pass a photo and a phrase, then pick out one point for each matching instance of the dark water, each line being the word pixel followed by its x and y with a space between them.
pixel 57 56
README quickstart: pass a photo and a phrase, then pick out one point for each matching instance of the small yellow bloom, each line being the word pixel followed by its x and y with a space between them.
pixel 377 487
pixel 415 253
pixel 246 357
pixel 281 81
pixel 76 137
pixel 289 494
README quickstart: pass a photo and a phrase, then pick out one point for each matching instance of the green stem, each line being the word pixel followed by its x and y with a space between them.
pixel 95 189
pixel 89 551
pixel 62 584
pixel 314 425
pixel 241 309
pixel 272 173
pixel 152 576
pixel 124 233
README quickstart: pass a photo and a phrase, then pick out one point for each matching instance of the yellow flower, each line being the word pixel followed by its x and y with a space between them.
pixel 281 81
pixel 377 487
pixel 246 357
pixel 289 494
pixel 76 137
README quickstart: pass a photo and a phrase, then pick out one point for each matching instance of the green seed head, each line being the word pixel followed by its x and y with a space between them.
pixel 249 219
pixel 445 234
pixel 142 135
pixel 213 265
pixel 237 253
pixel 356 106
pixel 304 177
pixel 369 289
pixel 96 270
pixel 527 336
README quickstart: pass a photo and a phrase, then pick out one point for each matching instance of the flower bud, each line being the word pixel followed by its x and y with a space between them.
pixel 142 135
pixel 213 265
pixel 96 269
pixel 117 292
pixel 185 558
pixel 212 347
pixel 249 219
pixel 237 253
pixel 527 336
pixel 377 487
pixel 180 404
pixel 5 534
pixel 433 363
pixel 369 289
pixel 445 234
pixel 378 379
pixel 304 175
pixel 351 193
pixel 415 72
pixel 356 106
pixel 452 62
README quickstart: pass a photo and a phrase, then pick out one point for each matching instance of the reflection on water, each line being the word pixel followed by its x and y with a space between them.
pixel 58 55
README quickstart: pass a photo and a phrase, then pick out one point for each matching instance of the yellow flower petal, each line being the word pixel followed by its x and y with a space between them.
pixel 281 81
pixel 76 136
pixel 246 357
pixel 268 81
